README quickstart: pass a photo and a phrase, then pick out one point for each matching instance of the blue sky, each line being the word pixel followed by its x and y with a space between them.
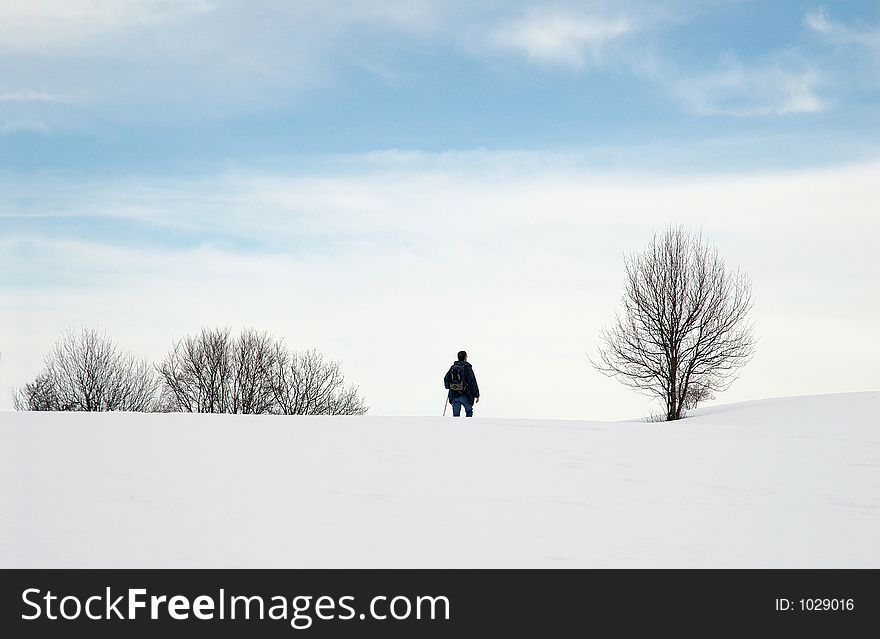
pixel 340 153
pixel 161 87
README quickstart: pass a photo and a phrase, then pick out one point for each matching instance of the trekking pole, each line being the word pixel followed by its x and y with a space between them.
pixel 445 404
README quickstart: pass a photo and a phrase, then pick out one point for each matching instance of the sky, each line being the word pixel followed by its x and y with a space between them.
pixel 392 182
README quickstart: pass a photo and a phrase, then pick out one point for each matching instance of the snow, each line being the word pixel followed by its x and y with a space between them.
pixel 791 482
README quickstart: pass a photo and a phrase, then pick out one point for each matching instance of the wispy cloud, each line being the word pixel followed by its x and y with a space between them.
pixel 50 24
pixel 190 60
pixel 561 38
pixel 819 21
pixel 204 61
pixel 35 96
pixel 24 126
pixel 737 89
pixel 856 48
pixel 784 83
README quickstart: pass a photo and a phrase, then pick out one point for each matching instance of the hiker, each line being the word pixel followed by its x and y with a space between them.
pixel 462 385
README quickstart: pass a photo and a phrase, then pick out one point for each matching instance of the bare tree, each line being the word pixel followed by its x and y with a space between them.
pixel 253 360
pixel 213 372
pixel 684 330
pixel 195 373
pixel 86 371
pixel 307 385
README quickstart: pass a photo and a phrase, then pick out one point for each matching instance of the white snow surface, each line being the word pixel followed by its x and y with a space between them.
pixel 791 482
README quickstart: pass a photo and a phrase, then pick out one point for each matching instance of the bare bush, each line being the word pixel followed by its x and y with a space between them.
pixel 696 394
pixel 212 372
pixel 38 395
pixel 684 330
pixel 86 371
pixel 307 385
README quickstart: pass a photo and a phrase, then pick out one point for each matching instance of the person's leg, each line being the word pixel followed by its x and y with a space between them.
pixel 456 407
pixel 468 407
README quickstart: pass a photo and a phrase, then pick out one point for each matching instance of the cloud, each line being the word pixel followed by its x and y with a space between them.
pixel 203 61
pixel 857 48
pixel 783 84
pixel 54 24
pixel 819 21
pixel 193 60
pixel 380 254
pixel 35 96
pixel 851 55
pixel 561 38
pixel 736 89
pixel 24 126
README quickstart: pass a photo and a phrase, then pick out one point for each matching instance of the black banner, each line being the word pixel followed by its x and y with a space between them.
pixel 436 603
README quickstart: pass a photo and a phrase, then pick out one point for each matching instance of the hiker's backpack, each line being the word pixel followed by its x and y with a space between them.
pixel 456 378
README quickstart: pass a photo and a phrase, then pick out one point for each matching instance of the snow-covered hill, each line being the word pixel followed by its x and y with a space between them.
pixel 791 482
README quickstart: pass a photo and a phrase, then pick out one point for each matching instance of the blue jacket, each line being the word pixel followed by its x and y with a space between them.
pixel 471 390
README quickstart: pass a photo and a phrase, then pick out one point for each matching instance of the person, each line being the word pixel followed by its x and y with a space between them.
pixel 461 383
